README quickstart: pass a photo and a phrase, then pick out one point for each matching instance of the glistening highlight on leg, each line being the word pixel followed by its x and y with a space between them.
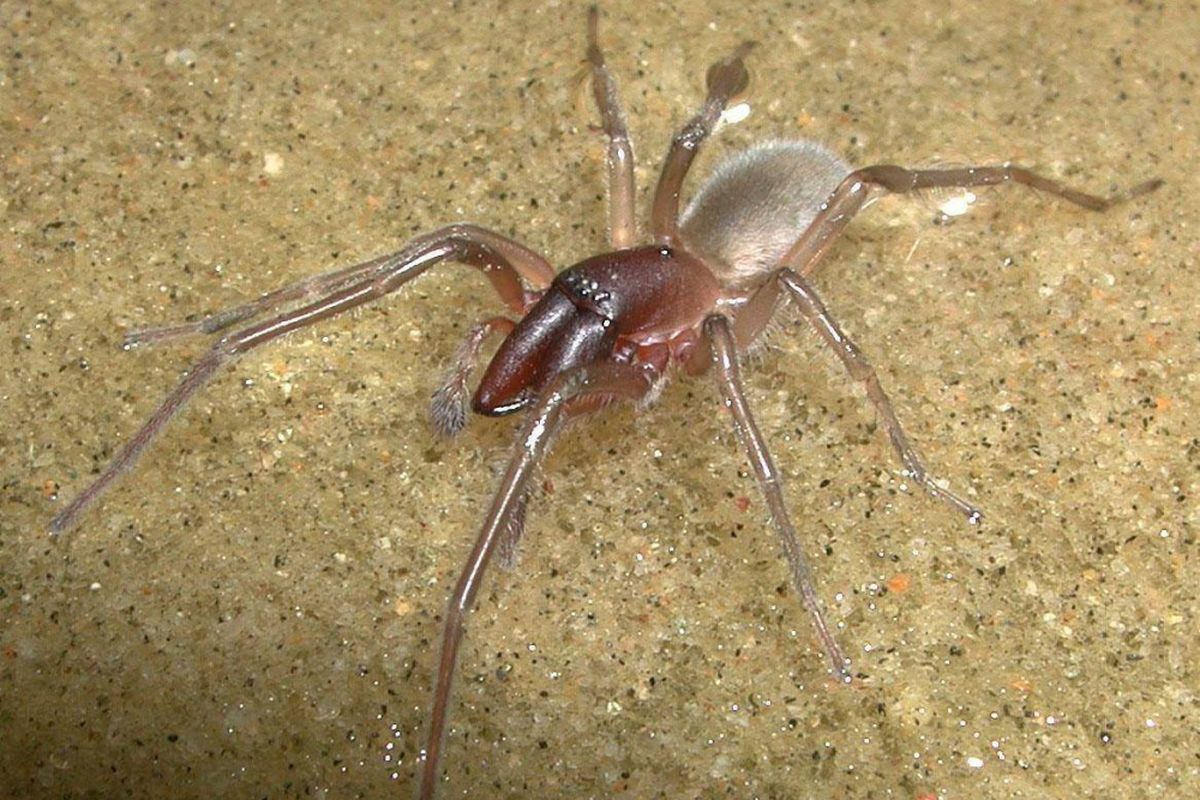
pixel 724 353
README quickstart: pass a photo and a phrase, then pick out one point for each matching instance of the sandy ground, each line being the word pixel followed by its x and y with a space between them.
pixel 254 611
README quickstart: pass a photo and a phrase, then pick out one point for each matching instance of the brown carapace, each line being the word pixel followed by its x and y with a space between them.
pixel 700 292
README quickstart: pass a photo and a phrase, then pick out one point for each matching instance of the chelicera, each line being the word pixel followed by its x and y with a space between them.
pixel 699 294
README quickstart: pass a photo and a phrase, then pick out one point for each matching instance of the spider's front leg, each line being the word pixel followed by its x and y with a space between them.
pixel 515 256
pixel 303 290
pixel 569 395
pixel 503 260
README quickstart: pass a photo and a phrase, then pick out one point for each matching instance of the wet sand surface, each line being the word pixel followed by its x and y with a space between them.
pixel 254 611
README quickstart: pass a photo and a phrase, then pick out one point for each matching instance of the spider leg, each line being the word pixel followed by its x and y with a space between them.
pixel 854 191
pixel 621 223
pixel 756 314
pixel 560 401
pixel 860 369
pixel 528 264
pixel 304 289
pixel 625 382
pixel 466 243
pixel 726 79
pixel 724 354
pixel 508 550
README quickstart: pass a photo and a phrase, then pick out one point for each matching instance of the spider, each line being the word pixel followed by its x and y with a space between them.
pixel 697 296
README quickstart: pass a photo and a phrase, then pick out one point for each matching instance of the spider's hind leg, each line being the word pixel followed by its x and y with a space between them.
pixel 621 190
pixel 860 369
pixel 851 196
